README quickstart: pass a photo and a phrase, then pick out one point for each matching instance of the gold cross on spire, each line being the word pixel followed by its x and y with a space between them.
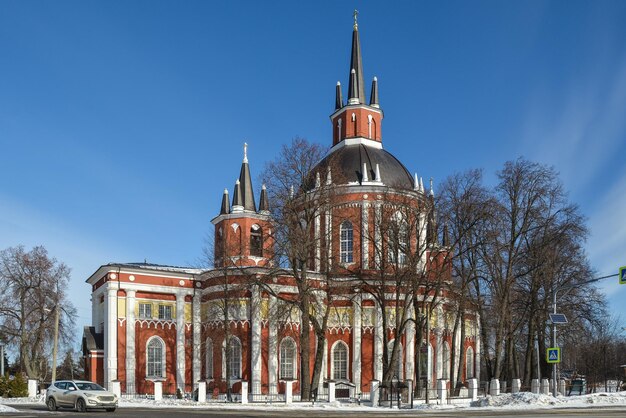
pixel 356 25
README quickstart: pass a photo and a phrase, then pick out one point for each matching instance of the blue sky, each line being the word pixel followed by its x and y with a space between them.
pixel 122 122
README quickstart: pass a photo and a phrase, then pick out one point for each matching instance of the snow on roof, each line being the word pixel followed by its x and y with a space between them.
pixel 160 267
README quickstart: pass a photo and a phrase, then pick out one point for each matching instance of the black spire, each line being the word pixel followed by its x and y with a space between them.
pixel 374 93
pixel 237 201
pixel 264 205
pixel 225 209
pixel 338 98
pixel 247 195
pixel 356 88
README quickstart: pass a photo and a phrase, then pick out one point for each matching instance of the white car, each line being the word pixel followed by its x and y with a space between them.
pixel 79 394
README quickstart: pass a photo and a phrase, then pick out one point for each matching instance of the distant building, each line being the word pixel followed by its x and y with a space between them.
pixel 153 322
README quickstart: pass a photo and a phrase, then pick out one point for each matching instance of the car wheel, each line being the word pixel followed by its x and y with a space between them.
pixel 110 409
pixel 52 405
pixel 81 406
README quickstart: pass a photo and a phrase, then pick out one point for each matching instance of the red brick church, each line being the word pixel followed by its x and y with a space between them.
pixel 154 322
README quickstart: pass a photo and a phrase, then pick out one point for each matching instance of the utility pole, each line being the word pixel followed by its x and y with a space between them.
pixel 56 342
pixel 1 360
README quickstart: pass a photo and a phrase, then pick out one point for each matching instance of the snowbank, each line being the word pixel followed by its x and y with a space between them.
pixel 4 408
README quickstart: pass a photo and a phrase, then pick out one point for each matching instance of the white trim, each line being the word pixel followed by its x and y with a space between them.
pixel 356 106
pixel 357 141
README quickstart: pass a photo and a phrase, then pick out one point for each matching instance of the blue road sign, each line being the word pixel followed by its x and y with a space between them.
pixel 622 275
pixel 553 355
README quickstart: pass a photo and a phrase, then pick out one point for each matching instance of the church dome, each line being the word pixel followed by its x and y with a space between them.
pixel 347 165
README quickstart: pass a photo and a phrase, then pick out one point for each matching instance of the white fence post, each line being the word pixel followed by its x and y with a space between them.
pixel 442 390
pixel 473 389
pixel 562 387
pixel 289 391
pixel 331 391
pixel 545 387
pixel 244 392
pixel 494 387
pixel 503 385
pixel 116 388
pixel 201 391
pixel 534 386
pixel 374 392
pixel 515 385
pixel 32 386
pixel 158 390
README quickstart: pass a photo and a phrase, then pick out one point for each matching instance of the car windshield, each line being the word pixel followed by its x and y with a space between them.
pixel 88 386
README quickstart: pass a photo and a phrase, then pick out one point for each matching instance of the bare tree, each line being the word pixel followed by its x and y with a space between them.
pixel 33 288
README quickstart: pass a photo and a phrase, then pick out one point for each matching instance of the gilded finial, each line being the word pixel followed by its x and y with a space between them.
pixel 356 25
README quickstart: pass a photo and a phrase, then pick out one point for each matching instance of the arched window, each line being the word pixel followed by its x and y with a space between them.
pixel 155 362
pixel 426 364
pixel 397 366
pixel 446 361
pixel 287 359
pixel 256 241
pixel 340 361
pixel 398 239
pixel 469 363
pixel 347 242
pixel 232 358
pixel 208 370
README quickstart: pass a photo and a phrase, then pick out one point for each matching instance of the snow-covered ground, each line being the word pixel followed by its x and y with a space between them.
pixel 518 401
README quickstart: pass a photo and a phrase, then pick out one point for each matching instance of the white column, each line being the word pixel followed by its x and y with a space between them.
pixel 478 348
pixel 324 374
pixel 356 344
pixel 130 342
pixel 378 346
pixel 442 390
pixel 255 322
pixel 439 344
pixel 318 254
pixel 365 237
pixel 244 392
pixel 409 351
pixel 329 240
pixel 110 333
pixel 180 341
pixel 197 329
pixel 272 361
pixel 457 350
pixel 377 239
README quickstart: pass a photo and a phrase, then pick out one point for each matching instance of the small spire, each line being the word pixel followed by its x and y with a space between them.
pixel 416 183
pixel 237 200
pixel 245 152
pixel 318 181
pixel 329 178
pixel 353 97
pixel 264 206
pixel 377 173
pixel 364 178
pixel 356 86
pixel 225 209
pixel 432 192
pixel 245 179
pixel 422 184
pixel 338 97
pixel 374 94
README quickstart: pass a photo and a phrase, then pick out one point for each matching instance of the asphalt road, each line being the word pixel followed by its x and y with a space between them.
pixel 38 411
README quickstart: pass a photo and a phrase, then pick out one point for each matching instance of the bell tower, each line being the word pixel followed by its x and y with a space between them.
pixel 243 234
pixel 357 121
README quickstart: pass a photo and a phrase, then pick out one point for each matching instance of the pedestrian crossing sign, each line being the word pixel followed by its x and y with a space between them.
pixel 622 275
pixel 553 355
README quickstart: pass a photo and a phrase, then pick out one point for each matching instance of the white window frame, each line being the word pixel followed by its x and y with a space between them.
pixel 165 312
pixel 469 363
pixel 346 243
pixel 234 359
pixel 208 365
pixel 162 362
pixel 333 362
pixel 145 306
pixel 284 359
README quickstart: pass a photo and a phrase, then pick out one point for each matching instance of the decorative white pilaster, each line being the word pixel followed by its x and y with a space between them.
pixel 318 254
pixel 273 348
pixel 324 374
pixel 409 371
pixel 110 333
pixel 477 351
pixel 378 345
pixel 255 322
pixel 377 239
pixel 130 342
pixel 180 341
pixel 439 344
pixel 329 240
pixel 365 237
pixel 457 350
pixel 356 344
pixel 197 328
